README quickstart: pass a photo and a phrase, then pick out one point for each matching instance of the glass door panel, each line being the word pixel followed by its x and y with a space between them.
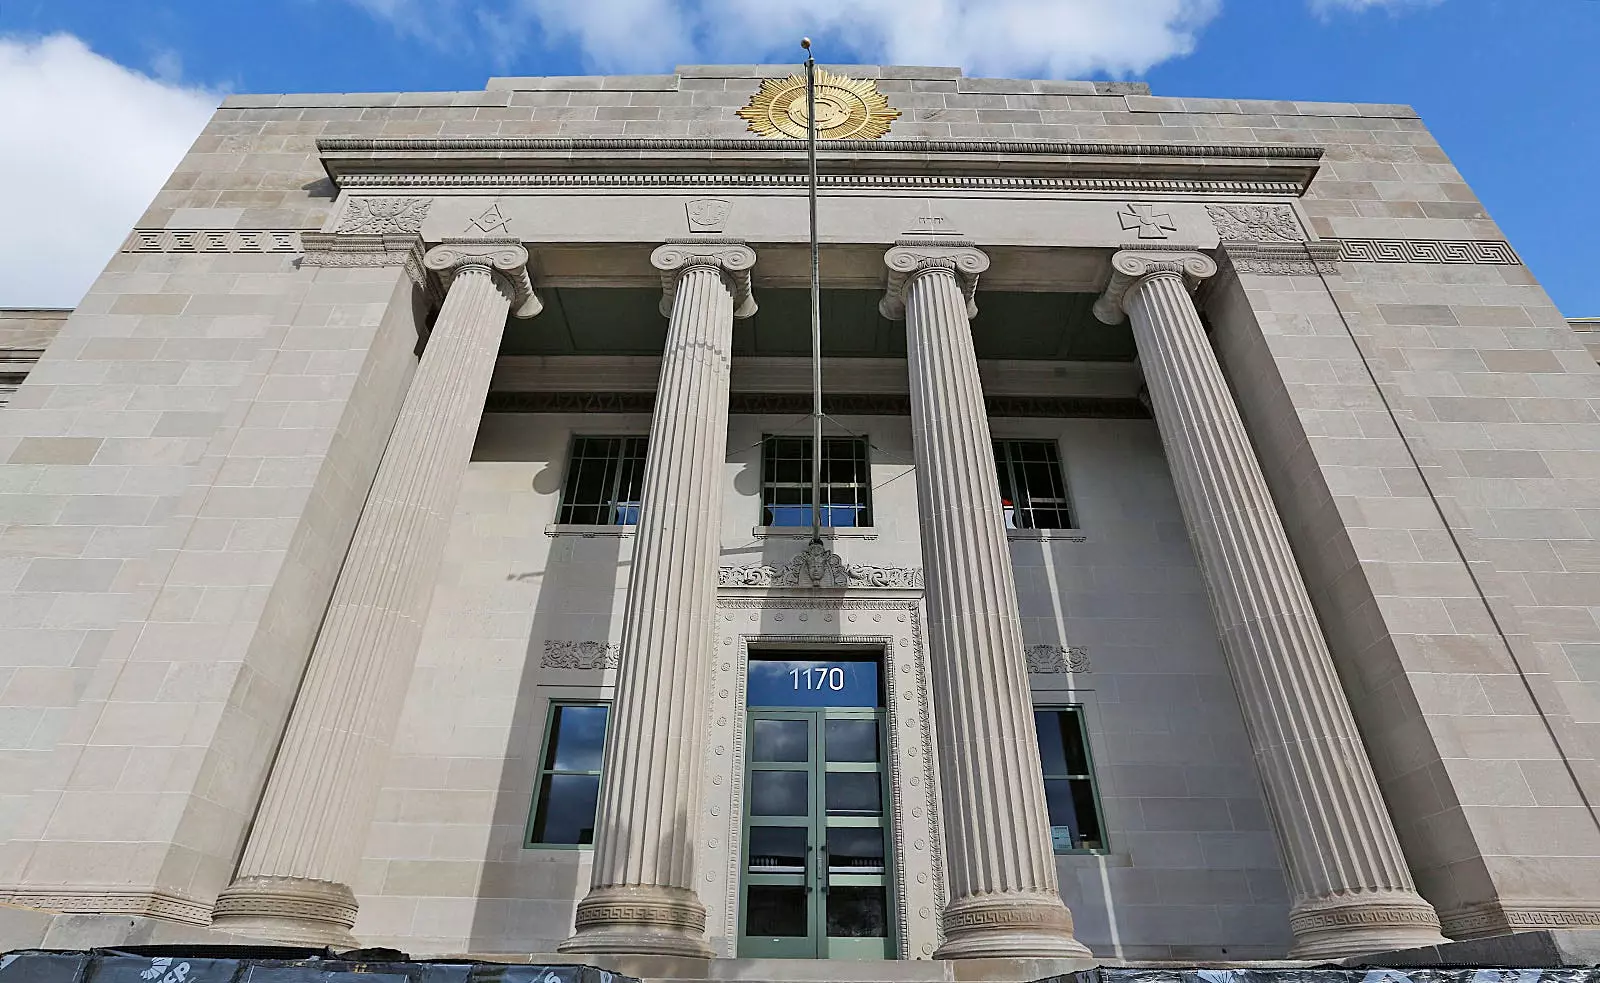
pixel 816 874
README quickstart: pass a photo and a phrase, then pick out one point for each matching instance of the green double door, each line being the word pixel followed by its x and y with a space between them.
pixel 816 866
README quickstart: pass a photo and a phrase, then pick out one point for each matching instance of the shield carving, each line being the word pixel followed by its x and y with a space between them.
pixel 709 214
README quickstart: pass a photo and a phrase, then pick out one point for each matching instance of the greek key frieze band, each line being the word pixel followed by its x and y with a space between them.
pixel 214 241
pixel 1487 252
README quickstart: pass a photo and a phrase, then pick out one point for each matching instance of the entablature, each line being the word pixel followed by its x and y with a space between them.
pixel 686 162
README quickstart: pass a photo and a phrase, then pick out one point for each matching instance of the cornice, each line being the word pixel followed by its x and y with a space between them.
pixel 372 162
pixel 831 148
pixel 507 180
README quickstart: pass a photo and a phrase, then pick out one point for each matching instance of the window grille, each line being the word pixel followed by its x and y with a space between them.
pixel 604 478
pixel 1032 488
pixel 786 482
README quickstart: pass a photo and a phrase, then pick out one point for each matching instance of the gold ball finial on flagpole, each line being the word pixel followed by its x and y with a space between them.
pixel 805 43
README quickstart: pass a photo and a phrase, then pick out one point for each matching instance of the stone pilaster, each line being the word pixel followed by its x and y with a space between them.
pixel 642 895
pixel 1004 899
pixel 293 880
pixel 1352 892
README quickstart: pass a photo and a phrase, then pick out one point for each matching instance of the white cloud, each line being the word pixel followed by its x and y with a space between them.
pixel 1060 38
pixel 1326 7
pixel 86 145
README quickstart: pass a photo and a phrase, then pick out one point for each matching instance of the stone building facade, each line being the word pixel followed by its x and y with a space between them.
pixel 406 539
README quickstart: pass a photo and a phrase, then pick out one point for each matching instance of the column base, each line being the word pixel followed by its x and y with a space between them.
pixel 288 909
pixel 1003 926
pixel 1359 922
pixel 640 920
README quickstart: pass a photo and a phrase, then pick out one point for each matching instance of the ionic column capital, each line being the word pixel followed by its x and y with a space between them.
pixel 732 258
pixel 909 259
pixel 504 259
pixel 1130 266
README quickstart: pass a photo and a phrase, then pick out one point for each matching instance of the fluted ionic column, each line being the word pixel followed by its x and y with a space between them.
pixel 642 896
pixel 1352 890
pixel 1004 899
pixel 293 880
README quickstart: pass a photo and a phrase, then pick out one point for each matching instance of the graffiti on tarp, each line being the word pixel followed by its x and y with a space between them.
pixel 1359 975
pixel 161 968
pixel 254 966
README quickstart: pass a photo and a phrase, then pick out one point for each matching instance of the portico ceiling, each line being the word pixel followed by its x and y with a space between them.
pixel 1009 325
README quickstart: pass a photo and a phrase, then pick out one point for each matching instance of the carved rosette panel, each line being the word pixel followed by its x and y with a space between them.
pixel 383 216
pixel 818 566
pixel 1255 223
pixel 895 625
pixel 568 654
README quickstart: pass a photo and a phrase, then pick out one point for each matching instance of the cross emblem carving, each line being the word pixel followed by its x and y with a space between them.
pixel 1145 218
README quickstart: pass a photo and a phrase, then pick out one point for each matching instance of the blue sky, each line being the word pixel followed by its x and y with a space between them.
pixel 1511 88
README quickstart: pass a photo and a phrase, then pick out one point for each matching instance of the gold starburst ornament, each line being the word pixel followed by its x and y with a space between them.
pixel 847 108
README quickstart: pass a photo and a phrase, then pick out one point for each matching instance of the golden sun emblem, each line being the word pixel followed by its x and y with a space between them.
pixel 847 108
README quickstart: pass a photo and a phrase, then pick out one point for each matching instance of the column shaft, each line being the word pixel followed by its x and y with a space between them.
pixel 642 896
pixel 293 880
pixel 1352 890
pixel 1004 899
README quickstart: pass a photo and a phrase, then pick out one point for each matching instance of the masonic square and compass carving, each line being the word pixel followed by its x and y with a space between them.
pixel 847 108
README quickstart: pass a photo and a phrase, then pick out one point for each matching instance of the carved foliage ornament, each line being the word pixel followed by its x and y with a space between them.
pixel 847 108
pixel 1057 659
pixel 1255 223
pixel 568 654
pixel 378 216
pixel 818 566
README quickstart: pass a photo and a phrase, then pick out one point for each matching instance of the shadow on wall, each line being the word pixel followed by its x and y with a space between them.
pixel 526 897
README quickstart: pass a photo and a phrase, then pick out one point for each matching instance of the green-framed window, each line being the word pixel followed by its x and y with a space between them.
pixel 604 478
pixel 568 790
pixel 1033 489
pixel 786 482
pixel 1069 789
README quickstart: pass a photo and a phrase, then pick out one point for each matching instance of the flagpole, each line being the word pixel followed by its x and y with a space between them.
pixel 816 299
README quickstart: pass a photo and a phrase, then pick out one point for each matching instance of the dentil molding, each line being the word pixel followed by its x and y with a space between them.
pixel 910 258
pixel 1283 258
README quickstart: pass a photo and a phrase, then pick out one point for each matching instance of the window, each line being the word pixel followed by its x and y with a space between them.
pixel 569 775
pixel 1031 486
pixel 786 482
pixel 604 476
pixel 1069 780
